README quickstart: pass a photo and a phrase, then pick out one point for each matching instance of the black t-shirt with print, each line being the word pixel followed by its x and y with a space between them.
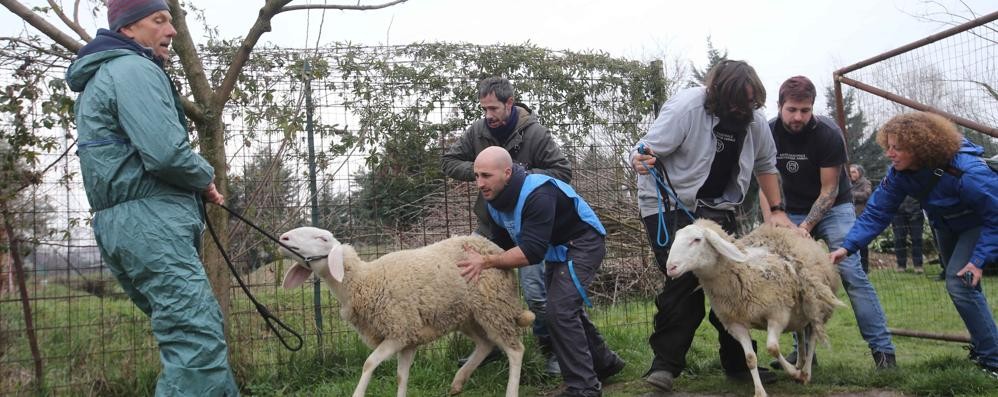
pixel 728 138
pixel 800 157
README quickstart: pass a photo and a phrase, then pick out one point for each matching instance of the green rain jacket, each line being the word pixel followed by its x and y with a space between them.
pixel 130 149
pixel 144 184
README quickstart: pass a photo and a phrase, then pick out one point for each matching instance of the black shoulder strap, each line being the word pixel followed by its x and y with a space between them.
pixel 934 179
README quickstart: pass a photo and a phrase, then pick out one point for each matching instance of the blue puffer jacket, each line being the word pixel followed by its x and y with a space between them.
pixel 956 204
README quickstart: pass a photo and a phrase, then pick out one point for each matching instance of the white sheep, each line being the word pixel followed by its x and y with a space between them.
pixel 772 279
pixel 408 298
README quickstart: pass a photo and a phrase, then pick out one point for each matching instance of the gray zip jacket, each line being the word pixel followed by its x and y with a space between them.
pixel 682 138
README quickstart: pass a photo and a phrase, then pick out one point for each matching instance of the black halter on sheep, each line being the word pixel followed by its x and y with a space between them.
pixel 771 279
pixel 408 298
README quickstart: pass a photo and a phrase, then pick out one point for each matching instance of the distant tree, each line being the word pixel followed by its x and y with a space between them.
pixel 714 56
pixel 265 192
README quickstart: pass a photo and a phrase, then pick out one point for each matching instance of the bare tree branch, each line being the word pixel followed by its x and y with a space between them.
pixel 261 26
pixel 71 24
pixel 340 7
pixel 76 12
pixel 183 44
pixel 48 51
pixel 42 25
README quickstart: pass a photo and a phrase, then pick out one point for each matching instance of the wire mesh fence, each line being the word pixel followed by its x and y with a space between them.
pixel 953 73
pixel 380 117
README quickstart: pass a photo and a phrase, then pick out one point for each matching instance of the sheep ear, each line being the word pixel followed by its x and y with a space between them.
pixel 335 261
pixel 724 247
pixel 295 276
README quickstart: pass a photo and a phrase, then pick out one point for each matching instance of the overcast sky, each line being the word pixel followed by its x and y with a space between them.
pixel 780 38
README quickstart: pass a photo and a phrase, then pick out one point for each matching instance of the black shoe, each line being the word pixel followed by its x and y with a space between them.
pixel 972 354
pixel 494 355
pixel 989 370
pixel 792 359
pixel 612 369
pixel 884 360
pixel 765 375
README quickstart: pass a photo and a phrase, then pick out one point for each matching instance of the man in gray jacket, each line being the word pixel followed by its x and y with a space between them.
pixel 706 144
pixel 514 127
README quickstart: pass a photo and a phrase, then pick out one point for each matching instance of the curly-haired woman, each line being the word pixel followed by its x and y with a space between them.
pixel 931 160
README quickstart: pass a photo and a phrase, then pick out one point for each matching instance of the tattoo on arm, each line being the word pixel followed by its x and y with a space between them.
pixel 820 208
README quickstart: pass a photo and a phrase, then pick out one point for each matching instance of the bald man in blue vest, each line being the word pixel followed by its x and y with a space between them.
pixel 539 217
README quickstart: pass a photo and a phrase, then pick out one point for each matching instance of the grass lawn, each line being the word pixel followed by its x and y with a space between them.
pixel 102 347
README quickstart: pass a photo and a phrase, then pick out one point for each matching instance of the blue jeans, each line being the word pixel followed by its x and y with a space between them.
pixel 535 294
pixel 955 250
pixel 865 304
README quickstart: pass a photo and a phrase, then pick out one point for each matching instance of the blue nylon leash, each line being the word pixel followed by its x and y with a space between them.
pixel 661 185
pixel 578 285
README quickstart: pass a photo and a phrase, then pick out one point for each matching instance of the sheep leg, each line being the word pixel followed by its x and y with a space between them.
pixel 514 354
pixel 405 362
pixel 386 349
pixel 806 354
pixel 482 348
pixel 741 334
pixel 773 330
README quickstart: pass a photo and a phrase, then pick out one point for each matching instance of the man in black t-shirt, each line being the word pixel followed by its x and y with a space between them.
pixel 811 158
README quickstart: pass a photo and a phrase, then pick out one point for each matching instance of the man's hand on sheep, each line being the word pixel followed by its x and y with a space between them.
pixel 212 195
pixel 780 218
pixel 472 265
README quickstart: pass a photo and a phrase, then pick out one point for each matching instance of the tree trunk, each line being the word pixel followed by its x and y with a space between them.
pixel 211 133
pixel 29 324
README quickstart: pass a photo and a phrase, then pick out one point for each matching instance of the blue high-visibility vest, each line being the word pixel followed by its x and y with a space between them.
pixel 511 220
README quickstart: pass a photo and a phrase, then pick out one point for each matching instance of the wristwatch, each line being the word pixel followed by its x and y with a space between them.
pixel 778 207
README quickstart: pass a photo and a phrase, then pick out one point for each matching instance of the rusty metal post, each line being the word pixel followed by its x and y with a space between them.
pixel 993 131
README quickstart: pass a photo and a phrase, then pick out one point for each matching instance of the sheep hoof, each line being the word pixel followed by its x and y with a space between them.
pixel 455 391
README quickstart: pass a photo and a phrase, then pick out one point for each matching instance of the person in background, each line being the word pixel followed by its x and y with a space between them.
pixel 907 225
pixel 933 162
pixel 861 190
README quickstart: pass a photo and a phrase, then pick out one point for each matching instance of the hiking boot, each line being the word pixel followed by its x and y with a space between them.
pixel 765 376
pixel 661 379
pixel 551 366
pixel 792 359
pixel 919 270
pixel 494 355
pixel 884 360
pixel 611 369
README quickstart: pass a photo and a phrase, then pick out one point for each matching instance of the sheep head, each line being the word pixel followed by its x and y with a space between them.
pixel 699 246
pixel 325 255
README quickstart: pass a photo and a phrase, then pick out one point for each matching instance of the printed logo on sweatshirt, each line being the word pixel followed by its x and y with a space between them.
pixel 720 137
pixel 792 161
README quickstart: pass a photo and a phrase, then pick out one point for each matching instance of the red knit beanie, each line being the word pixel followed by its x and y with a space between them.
pixel 121 13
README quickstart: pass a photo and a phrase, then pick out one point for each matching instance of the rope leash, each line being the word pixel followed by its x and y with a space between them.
pixel 661 186
pixel 268 317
